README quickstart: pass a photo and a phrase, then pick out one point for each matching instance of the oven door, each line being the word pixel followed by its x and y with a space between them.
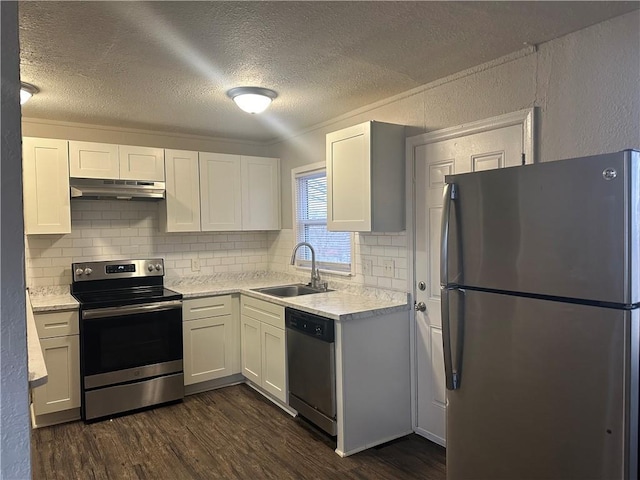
pixel 130 343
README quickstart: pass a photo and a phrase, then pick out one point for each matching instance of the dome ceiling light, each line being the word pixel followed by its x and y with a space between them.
pixel 26 92
pixel 252 99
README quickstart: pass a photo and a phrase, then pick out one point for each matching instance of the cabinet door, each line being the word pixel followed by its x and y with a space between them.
pixel 207 348
pixel 93 160
pixel 251 349
pixel 62 390
pixel 220 192
pixel 141 163
pixel 273 361
pixel 182 203
pixel 46 186
pixel 349 179
pixel 260 193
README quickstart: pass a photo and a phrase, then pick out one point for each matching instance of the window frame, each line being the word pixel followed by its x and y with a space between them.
pixel 302 264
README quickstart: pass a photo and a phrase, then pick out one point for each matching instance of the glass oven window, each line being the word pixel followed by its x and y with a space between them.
pixel 117 343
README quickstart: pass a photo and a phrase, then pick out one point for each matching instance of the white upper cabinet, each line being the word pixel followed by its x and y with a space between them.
pixel 239 192
pixel 109 161
pixel 141 163
pixel 181 209
pixel 46 186
pixel 260 193
pixel 93 160
pixel 365 178
pixel 220 192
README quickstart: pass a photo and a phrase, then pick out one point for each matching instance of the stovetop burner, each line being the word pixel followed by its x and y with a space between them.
pixel 120 282
pixel 126 296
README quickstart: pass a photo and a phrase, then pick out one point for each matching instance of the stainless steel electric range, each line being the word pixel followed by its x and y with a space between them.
pixel 130 336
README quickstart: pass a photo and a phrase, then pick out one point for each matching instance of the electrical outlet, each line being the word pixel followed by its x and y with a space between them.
pixel 367 266
pixel 195 264
pixel 389 267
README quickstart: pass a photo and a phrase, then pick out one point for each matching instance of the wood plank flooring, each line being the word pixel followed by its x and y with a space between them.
pixel 230 433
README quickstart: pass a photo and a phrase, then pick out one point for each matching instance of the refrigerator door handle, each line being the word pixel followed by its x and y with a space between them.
pixel 452 378
pixel 447 199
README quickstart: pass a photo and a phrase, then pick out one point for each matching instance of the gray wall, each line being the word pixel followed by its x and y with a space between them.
pixel 585 86
pixel 14 399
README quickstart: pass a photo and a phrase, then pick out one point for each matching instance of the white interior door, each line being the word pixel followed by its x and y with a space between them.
pixel 492 145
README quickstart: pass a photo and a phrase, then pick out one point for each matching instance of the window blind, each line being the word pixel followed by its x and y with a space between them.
pixel 333 249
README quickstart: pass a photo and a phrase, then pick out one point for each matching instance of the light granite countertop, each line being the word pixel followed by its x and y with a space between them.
pixel 51 299
pixel 36 365
pixel 345 302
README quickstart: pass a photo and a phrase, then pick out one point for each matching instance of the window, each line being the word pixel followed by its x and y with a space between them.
pixel 333 249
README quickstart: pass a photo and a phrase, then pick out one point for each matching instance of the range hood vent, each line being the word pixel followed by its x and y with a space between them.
pixel 92 189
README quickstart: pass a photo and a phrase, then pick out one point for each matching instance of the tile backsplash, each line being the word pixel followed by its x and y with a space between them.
pixel 107 230
pixel 380 258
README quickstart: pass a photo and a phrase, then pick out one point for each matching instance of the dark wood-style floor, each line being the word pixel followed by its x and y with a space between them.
pixel 231 433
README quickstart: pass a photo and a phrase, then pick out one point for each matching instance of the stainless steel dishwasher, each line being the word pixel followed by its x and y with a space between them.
pixel 311 362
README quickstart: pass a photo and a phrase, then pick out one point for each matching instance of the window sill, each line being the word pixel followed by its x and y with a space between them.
pixel 327 272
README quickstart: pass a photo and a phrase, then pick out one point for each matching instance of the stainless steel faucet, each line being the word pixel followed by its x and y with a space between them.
pixel 315 275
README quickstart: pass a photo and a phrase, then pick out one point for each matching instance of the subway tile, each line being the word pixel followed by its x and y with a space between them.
pixel 51 252
pixel 383 240
pixel 38 262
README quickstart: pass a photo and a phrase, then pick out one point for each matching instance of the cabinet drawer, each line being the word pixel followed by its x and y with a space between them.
pixel 57 324
pixel 206 307
pixel 264 311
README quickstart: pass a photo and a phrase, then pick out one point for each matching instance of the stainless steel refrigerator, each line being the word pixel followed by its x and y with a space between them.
pixel 540 282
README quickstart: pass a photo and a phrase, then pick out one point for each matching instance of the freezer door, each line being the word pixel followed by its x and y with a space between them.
pixel 547 390
pixel 567 229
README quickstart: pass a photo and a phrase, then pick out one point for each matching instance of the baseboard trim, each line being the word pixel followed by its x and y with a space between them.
pixel 49 419
pixel 213 384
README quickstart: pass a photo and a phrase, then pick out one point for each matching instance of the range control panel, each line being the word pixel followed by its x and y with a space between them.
pixel 153 267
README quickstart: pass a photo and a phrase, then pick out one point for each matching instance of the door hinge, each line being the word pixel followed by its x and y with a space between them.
pixel 523 159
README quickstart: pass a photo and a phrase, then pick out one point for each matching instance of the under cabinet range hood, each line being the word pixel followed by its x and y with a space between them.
pixel 94 189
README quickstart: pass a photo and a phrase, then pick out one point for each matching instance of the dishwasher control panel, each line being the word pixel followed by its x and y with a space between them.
pixel 313 325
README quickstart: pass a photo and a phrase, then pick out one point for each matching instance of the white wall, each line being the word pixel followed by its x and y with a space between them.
pixel 104 230
pixel 14 400
pixel 585 87
pixel 107 230
pixel 33 127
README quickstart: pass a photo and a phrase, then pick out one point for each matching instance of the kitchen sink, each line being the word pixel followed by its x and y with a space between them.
pixel 289 290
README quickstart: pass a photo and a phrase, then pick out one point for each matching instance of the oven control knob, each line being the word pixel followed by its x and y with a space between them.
pixel 158 267
pixel 318 330
pixel 87 271
pixel 79 271
pixel 150 267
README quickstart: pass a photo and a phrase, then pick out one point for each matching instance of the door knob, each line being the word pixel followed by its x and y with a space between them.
pixel 420 306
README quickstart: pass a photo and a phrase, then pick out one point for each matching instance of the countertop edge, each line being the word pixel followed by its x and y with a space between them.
pixel 54 303
pixel 37 367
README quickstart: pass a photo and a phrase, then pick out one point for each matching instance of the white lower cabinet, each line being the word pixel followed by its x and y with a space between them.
pixel 263 346
pixel 210 340
pixel 58 333
pixel 273 345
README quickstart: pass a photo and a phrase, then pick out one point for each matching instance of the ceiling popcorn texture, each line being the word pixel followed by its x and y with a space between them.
pixel 167 66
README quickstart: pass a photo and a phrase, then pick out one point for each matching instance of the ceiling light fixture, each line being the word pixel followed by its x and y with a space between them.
pixel 252 99
pixel 26 92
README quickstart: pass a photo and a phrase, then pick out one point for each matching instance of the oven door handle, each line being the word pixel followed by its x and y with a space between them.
pixel 130 309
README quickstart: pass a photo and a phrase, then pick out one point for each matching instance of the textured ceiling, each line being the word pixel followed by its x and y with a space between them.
pixel 167 65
